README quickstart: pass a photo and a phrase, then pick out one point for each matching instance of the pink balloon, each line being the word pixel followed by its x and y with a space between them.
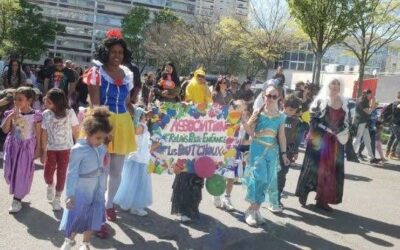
pixel 204 167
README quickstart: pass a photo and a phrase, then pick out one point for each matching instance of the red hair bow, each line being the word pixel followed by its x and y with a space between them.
pixel 114 33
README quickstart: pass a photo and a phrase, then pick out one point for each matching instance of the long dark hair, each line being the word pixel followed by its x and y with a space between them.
pixel 9 73
pixel 57 97
pixel 174 75
pixel 220 80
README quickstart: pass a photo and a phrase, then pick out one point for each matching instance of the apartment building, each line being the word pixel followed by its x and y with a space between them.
pixel 87 21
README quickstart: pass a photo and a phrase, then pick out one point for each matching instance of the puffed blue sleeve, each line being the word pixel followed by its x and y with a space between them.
pixel 75 159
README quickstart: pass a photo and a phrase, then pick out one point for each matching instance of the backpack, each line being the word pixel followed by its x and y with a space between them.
pixel 387 113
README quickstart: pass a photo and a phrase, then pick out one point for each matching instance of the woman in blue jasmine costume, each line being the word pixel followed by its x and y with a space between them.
pixel 109 85
pixel 260 177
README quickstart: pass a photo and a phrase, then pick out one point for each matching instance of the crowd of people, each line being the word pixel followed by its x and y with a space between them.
pixel 100 156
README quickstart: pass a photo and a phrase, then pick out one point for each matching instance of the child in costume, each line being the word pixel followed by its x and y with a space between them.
pixel 86 181
pixel 233 165
pixel 22 145
pixel 135 192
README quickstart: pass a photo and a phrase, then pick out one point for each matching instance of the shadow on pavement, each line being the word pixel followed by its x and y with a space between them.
pixel 216 235
pixel 46 229
pixel 357 178
pixel 348 223
pixel 276 237
pixel 295 235
pixel 389 166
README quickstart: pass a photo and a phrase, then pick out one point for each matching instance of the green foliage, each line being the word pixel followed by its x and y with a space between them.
pixel 137 26
pixel 8 11
pixel 31 32
pixel 166 16
pixel 326 22
pixel 134 24
pixel 378 25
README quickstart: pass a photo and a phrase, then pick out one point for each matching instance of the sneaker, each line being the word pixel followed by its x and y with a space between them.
pixel 15 207
pixel 361 157
pixel 227 204
pixel 68 244
pixel 50 192
pixel 374 161
pixel 393 156
pixel 274 209
pixel 84 246
pixel 259 218
pixel 217 202
pixel 111 214
pixel 140 212
pixel 56 204
pixel 184 218
pixel 251 218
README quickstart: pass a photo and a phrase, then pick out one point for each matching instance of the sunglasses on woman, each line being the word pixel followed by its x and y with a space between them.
pixel 273 97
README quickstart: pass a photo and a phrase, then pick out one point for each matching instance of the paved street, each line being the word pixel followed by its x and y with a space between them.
pixel 368 218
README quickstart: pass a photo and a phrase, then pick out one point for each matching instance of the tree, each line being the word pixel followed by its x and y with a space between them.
pixel 262 40
pixel 165 42
pixel 378 26
pixel 134 25
pixel 205 41
pixel 165 16
pixel 31 32
pixel 326 22
pixel 8 11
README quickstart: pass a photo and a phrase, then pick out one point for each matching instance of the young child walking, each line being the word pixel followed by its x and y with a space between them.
pixel 378 140
pixel 294 135
pixel 59 126
pixel 135 191
pixel 260 177
pixel 85 184
pixel 233 168
pixel 22 145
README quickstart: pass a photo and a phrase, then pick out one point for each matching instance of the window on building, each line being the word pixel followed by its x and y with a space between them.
pixel 294 56
pixel 309 66
pixel 300 66
pixel 310 58
pixel 286 56
pixel 302 56
pixel 285 64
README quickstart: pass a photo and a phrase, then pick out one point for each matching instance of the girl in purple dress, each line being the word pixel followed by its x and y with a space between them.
pixel 22 124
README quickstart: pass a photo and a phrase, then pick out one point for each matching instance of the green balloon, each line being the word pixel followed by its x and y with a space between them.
pixel 215 185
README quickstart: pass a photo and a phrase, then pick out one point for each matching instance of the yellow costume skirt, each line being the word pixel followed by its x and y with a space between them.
pixel 123 138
